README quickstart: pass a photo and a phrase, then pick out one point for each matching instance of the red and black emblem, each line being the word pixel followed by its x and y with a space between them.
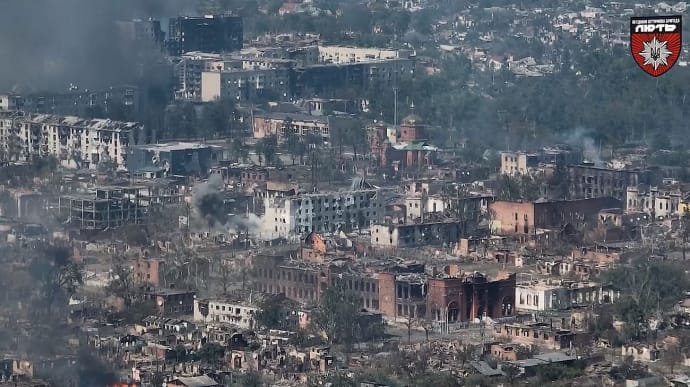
pixel 655 42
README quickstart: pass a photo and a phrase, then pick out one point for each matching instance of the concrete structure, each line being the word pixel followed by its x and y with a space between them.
pixel 541 334
pixel 139 31
pixel 445 232
pixel 345 54
pixel 588 181
pixel 285 124
pixel 75 142
pixel 446 300
pixel 559 295
pixel 83 103
pixel 107 207
pixel 174 158
pixel 658 203
pixel 323 212
pixel 232 311
pixel 210 33
pixel 525 218
pixel 168 301
pixel 245 85
pixel 516 163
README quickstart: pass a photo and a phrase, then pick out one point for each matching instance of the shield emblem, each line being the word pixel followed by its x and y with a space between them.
pixel 655 42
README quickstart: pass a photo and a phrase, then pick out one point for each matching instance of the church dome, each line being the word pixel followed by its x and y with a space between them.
pixel 412 119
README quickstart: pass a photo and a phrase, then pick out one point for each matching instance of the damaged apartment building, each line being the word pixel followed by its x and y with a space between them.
pixel 108 207
pixel 75 142
pixel 357 208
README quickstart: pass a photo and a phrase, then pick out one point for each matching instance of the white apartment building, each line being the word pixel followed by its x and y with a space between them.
pixel 323 212
pixel 233 312
pixel 243 84
pixel 75 142
pixel 345 54
pixel 650 200
pixel 560 294
pixel 517 163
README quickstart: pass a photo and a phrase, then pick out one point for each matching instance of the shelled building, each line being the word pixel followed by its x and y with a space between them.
pixel 106 207
pixel 357 208
pixel 210 33
pixel 76 142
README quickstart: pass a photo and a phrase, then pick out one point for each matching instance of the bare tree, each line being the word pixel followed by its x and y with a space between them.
pixel 672 357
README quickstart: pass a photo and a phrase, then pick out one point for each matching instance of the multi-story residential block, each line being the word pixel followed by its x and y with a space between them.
pixel 210 33
pixel 589 181
pixel 232 311
pixel 525 163
pixel 76 142
pixel 244 84
pixel 561 294
pixel 445 232
pixel 323 212
pixel 87 103
pixel 345 54
pixel 283 125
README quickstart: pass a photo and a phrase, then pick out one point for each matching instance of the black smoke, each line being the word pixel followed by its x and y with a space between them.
pixel 46 45
pixel 209 202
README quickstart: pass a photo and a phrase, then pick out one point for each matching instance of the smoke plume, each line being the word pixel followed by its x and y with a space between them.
pixel 46 45
pixel 210 213
pixel 209 203
pixel 580 138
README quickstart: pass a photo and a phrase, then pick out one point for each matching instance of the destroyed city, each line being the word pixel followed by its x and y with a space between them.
pixel 344 193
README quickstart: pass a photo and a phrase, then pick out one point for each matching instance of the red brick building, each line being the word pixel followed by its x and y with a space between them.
pixel 454 299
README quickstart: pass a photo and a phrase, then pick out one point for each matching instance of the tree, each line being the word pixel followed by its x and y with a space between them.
pixel 266 148
pixel 672 356
pixel 646 287
pixel 295 147
pixel 336 315
pixel 464 353
pixel 211 353
pixel 217 118
pixel 272 312
pixel 511 372
pixel 57 276
pixel 122 282
pixel 412 364
pixel 250 379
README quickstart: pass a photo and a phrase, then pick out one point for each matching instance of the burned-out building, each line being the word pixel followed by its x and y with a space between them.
pixel 542 334
pixel 357 208
pixel 106 207
pixel 589 181
pixel 446 299
pixel 525 218
pixel 444 232
pixel 76 142
pixel 210 33
pixel 76 102
pixel 175 158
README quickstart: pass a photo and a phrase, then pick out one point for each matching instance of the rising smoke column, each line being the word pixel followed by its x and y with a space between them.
pixel 208 202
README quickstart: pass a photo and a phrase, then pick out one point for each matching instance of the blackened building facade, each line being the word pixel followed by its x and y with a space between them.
pixel 217 33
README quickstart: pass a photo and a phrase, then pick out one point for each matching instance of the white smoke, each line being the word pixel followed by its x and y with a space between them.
pixel 580 138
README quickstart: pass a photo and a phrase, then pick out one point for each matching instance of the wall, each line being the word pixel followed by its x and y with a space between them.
pixel 511 218
pixel 387 298
pixel 210 86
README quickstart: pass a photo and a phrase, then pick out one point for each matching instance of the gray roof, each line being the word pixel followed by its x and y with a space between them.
pixel 197 381
pixel 485 369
